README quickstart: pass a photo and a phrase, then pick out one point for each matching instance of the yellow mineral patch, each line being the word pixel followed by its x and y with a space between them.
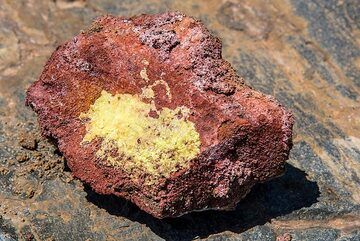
pixel 163 82
pixel 148 92
pixel 143 72
pixel 145 62
pixel 144 75
pixel 144 144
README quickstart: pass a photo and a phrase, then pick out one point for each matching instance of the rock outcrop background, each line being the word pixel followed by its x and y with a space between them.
pixel 305 53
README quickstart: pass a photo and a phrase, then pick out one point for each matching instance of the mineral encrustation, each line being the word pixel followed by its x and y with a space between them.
pixel 146 108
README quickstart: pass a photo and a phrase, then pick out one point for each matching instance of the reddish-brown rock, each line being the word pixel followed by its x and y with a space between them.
pixel 172 65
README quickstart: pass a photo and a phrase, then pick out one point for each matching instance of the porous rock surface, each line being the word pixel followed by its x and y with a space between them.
pixel 244 136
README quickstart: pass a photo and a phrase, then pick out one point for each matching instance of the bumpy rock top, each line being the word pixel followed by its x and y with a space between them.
pixel 147 109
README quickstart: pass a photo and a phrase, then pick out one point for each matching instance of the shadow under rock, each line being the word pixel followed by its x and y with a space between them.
pixel 266 201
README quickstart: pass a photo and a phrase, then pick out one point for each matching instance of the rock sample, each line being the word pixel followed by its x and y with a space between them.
pixel 146 108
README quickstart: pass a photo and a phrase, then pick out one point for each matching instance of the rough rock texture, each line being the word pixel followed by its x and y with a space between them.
pixel 166 62
pixel 303 52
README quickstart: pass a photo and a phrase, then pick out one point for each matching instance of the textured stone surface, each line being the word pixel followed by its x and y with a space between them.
pixel 189 135
pixel 305 53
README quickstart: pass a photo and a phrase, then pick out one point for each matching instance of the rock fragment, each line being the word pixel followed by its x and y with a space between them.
pixel 28 141
pixel 146 108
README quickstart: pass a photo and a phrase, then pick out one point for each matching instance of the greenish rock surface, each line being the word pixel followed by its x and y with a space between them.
pixel 304 52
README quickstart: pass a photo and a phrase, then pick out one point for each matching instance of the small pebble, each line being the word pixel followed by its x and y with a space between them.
pixel 28 141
